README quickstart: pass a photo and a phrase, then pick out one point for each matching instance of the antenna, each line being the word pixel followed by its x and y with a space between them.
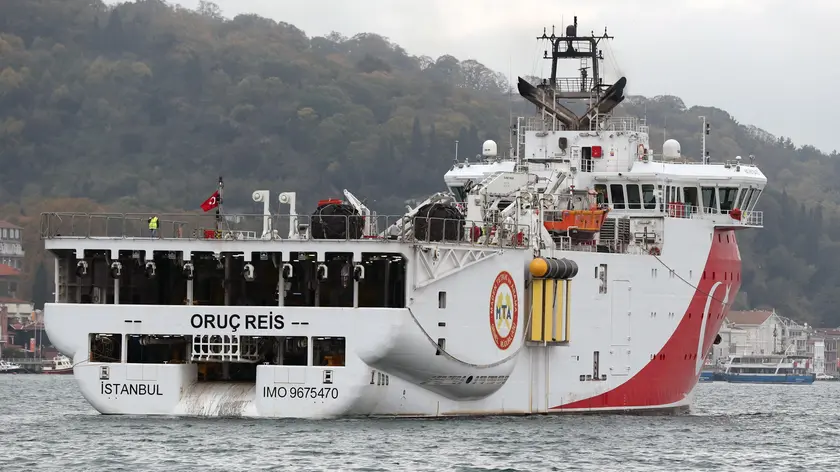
pixel 704 132
pixel 510 102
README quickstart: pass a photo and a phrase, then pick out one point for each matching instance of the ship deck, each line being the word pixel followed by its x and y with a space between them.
pixel 201 232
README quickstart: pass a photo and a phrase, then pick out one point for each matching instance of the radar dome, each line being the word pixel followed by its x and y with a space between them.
pixel 671 149
pixel 489 149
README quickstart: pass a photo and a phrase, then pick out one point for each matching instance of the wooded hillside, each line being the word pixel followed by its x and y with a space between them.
pixel 144 105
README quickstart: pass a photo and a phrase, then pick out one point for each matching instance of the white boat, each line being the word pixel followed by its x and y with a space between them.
pixel 769 368
pixel 10 368
pixel 59 365
pixel 519 291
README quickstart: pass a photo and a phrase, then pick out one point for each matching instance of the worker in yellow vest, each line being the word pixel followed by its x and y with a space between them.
pixel 153 226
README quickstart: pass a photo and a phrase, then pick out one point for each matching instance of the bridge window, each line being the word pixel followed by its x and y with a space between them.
pixel 691 197
pixel 634 199
pixel 459 192
pixel 754 199
pixel 673 194
pixel 617 196
pixel 601 195
pixel 747 198
pixel 727 198
pixel 649 196
pixel 742 196
pixel 710 199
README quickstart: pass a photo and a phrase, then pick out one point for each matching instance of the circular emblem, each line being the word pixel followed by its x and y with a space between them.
pixel 504 310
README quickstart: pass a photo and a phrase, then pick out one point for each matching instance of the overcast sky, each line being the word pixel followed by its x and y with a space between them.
pixel 771 63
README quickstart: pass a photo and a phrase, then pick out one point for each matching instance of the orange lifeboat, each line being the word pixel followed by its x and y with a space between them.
pixel 586 221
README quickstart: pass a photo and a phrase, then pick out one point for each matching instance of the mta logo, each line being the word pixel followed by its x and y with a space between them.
pixel 504 310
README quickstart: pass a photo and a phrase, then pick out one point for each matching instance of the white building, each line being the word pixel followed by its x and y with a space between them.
pixel 763 332
pixel 766 332
pixel 11 249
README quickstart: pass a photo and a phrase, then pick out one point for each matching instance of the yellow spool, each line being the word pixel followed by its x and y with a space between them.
pixel 538 267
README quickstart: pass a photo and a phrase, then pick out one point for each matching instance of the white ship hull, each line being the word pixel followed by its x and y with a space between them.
pixel 649 331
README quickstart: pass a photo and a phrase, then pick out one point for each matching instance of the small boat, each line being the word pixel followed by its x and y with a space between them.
pixel 709 371
pixel 768 368
pixel 575 221
pixel 9 368
pixel 60 365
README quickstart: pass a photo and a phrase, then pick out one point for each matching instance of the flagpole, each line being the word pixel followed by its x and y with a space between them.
pixel 219 206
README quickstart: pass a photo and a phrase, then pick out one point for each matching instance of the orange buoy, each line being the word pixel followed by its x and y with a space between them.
pixel 538 267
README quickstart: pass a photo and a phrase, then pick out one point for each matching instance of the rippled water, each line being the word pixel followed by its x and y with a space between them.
pixel 45 424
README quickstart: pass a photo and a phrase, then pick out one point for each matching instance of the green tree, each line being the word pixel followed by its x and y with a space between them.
pixel 40 288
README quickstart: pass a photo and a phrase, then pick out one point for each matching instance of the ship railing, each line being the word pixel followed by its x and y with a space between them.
pixel 659 158
pixel 752 218
pixel 575 85
pixel 619 123
pixel 253 227
pixel 565 243
pixel 538 123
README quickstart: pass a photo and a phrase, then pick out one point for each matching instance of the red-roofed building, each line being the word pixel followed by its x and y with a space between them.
pixel 9 280
pixel 765 332
pixel 749 318
pixel 762 331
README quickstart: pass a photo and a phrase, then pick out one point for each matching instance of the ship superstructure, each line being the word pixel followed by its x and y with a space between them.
pixel 580 272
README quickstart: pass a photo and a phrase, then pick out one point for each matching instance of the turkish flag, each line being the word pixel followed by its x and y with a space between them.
pixel 211 202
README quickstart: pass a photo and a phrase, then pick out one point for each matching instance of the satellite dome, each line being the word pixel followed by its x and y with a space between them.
pixel 489 148
pixel 671 149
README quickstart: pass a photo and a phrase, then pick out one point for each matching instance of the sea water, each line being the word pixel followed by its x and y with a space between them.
pixel 45 424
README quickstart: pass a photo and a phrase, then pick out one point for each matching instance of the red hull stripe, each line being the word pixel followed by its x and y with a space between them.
pixel 672 374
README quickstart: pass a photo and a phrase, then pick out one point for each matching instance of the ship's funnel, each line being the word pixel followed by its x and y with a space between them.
pixel 539 98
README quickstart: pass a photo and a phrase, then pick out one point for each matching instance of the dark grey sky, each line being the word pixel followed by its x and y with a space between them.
pixel 771 63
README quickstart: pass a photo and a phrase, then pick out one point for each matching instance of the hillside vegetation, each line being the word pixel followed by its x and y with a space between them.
pixel 144 105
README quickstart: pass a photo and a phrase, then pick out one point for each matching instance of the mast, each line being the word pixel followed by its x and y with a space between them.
pixel 601 98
